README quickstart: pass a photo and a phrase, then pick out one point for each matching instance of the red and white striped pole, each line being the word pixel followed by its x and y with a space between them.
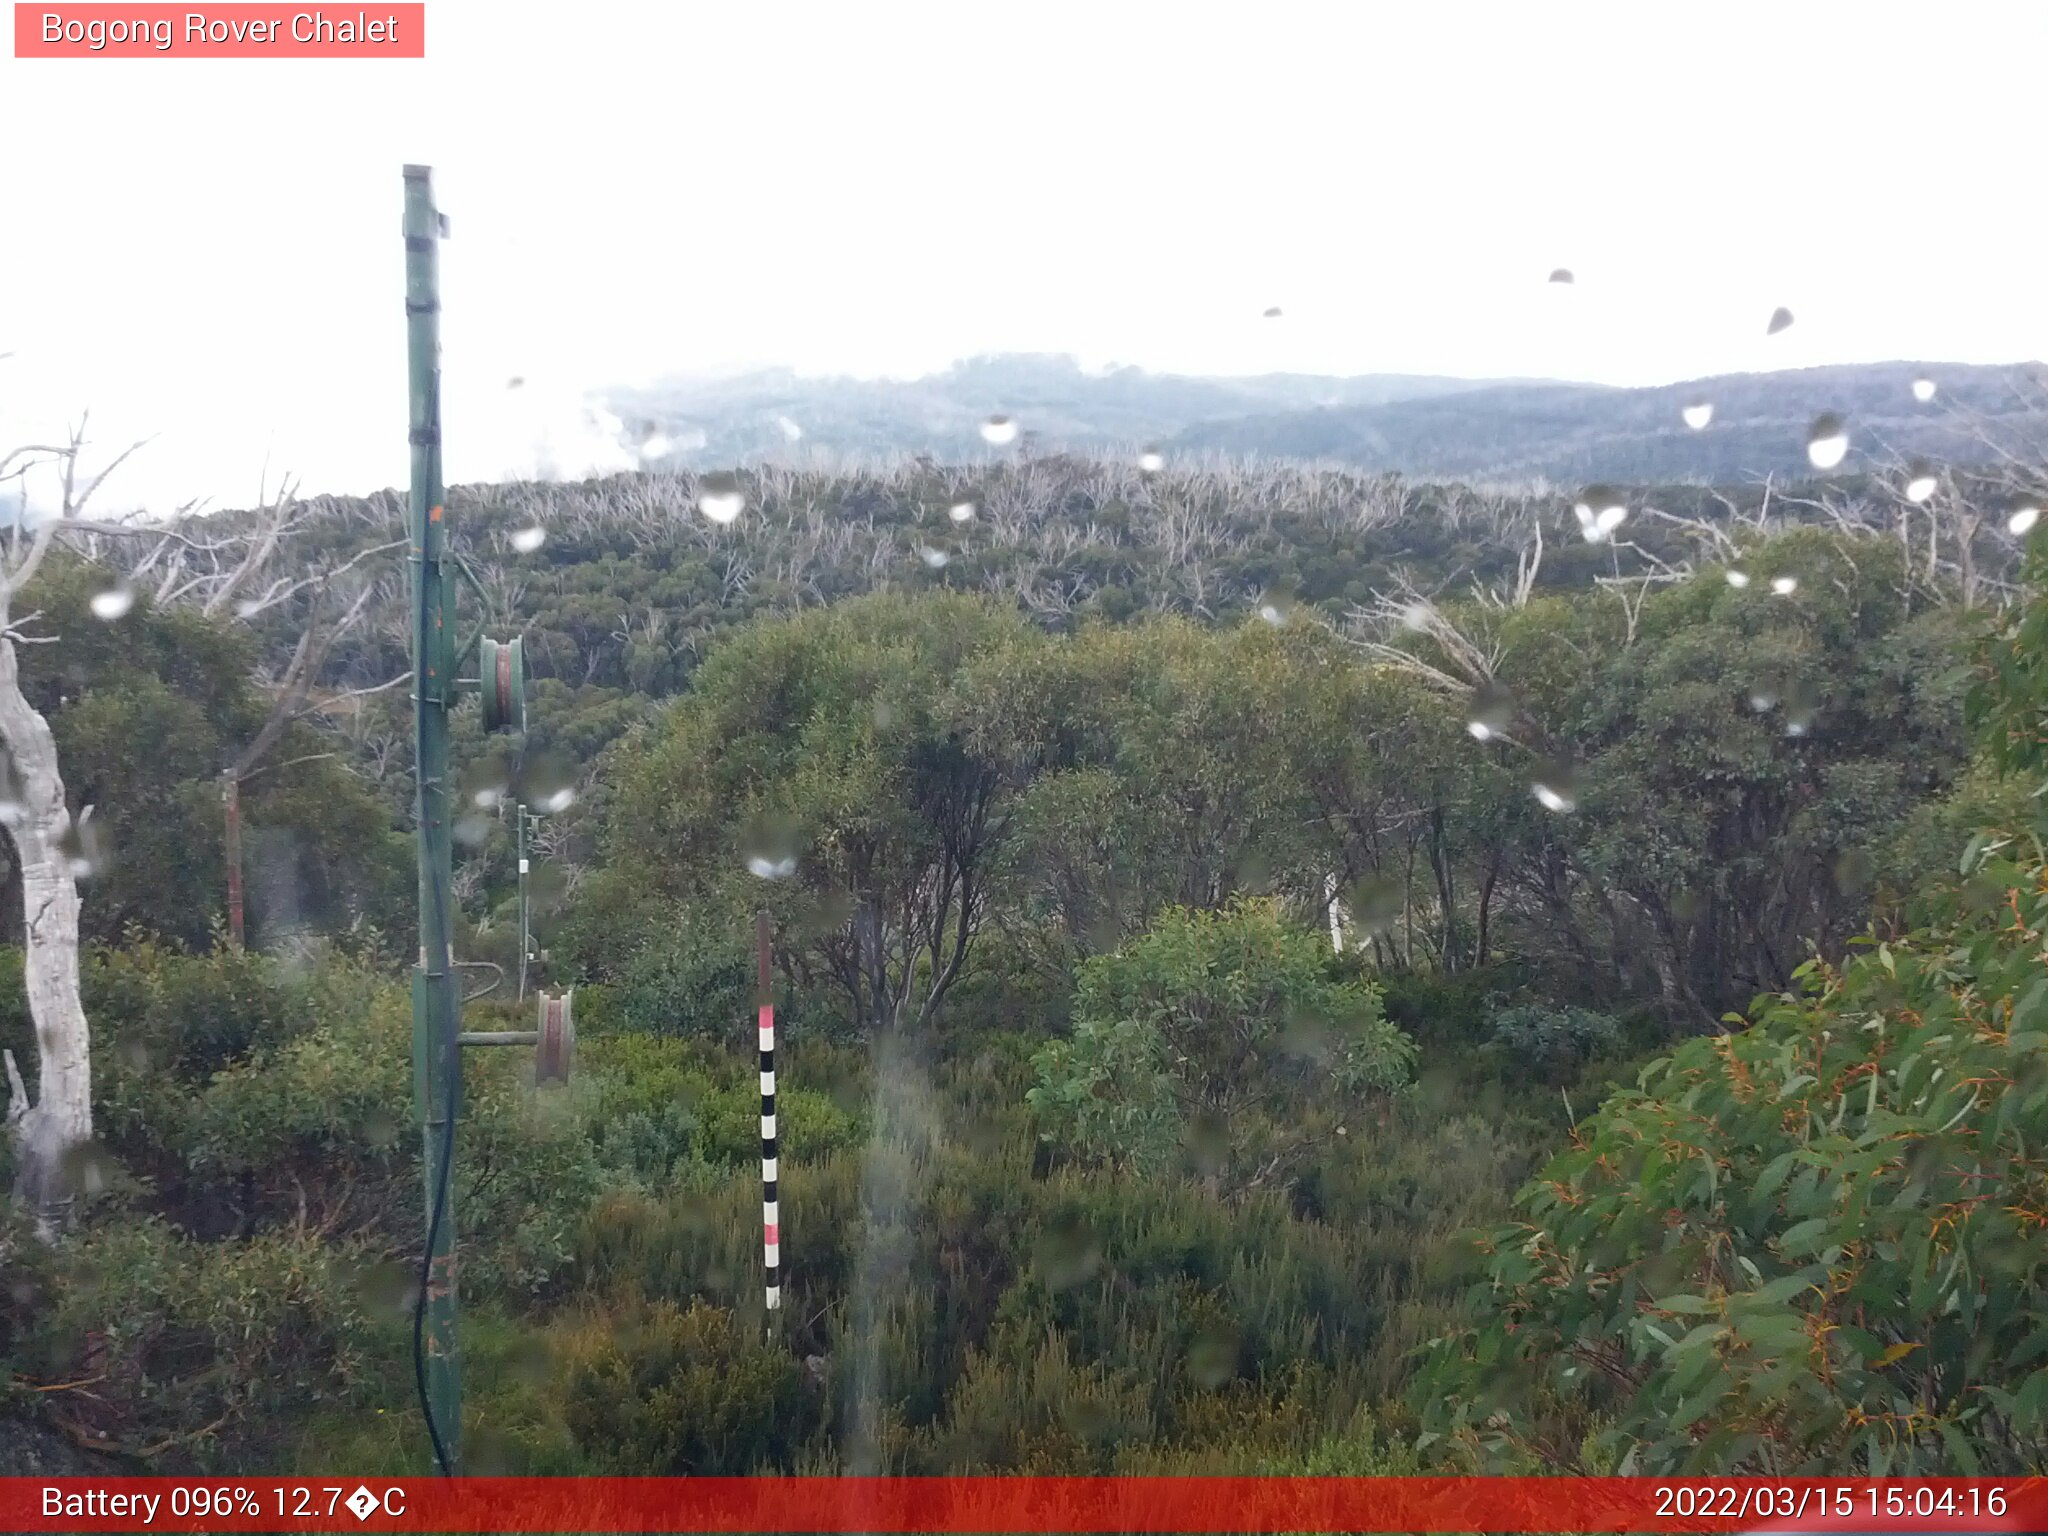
pixel 771 1222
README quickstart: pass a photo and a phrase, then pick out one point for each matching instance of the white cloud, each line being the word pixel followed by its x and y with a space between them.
pixel 209 249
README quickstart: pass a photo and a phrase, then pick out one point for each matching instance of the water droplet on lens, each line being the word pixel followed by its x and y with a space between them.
pixel 1066 1252
pixel 248 607
pixel 768 843
pixel 84 846
pixel 89 1168
pixel 1784 586
pixel 1561 275
pixel 936 559
pixel 1151 461
pixel 388 1287
pixel 1600 510
pixel 1556 787
pixel 484 783
pixel 1923 390
pixel 1491 711
pixel 1854 871
pixel 1802 707
pixel 1780 318
pixel 2022 520
pixel 529 1360
pixel 547 782
pixel 1698 414
pixel 1276 606
pixel 1308 1038
pixel 113 602
pixel 1212 1357
pixel 655 446
pixel 791 432
pixel 719 498
pixel 1738 579
pixel 998 430
pixel 515 382
pixel 527 540
pixel 1921 483
pixel 1374 904
pixel 547 884
pixel 1273 313
pixel 473 831
pixel 1208 1142
pixel 1827 440
pixel 961 512
pixel 1415 617
pixel 1090 1421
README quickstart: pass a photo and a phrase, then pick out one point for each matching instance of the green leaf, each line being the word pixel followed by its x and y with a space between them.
pixel 1685 1304
pixel 1804 1236
pixel 1784 1288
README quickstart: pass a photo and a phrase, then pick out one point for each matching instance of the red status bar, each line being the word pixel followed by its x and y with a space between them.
pixel 1025 1504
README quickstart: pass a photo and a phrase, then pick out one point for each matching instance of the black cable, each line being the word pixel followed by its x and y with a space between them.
pixel 441 1185
pixel 419 1306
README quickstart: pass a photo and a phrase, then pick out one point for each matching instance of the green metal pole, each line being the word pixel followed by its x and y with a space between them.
pixel 524 927
pixel 436 1006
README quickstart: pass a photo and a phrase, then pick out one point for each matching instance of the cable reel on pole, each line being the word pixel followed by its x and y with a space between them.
pixel 554 1042
pixel 555 1052
pixel 501 683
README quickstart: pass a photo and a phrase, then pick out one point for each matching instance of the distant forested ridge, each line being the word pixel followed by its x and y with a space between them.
pixel 1568 433
pixel 1489 430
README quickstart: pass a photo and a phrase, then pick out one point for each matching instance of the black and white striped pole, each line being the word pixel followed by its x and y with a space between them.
pixel 771 1218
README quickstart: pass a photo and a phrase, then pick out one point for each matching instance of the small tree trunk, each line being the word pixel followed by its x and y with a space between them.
pixel 50 1132
pixel 231 798
pixel 1479 943
pixel 1966 556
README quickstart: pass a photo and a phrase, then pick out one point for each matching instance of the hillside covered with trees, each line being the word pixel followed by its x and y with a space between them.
pixel 1281 970
pixel 1482 431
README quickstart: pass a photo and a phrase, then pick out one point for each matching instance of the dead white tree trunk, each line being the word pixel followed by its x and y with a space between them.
pixel 53 1129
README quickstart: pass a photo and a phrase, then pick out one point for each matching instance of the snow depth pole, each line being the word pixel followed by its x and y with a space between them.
pixel 771 1218
pixel 525 926
pixel 436 1000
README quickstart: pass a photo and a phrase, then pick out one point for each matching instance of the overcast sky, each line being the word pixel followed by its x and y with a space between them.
pixel 209 250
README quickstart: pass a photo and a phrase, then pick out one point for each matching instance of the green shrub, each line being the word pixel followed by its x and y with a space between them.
pixel 1549 1044
pixel 1448 1010
pixel 1807 1246
pixel 675 1392
pixel 313 1126
pixel 189 1343
pixel 689 983
pixel 1218 1038
pixel 661 1101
